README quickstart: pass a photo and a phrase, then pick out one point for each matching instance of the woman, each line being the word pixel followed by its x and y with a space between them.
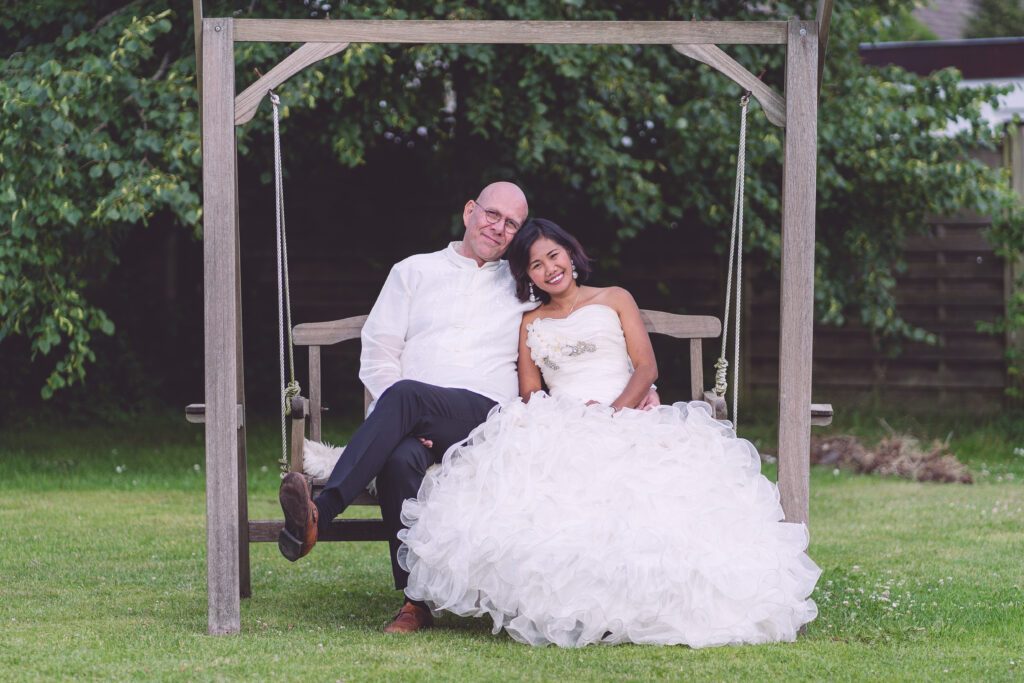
pixel 571 518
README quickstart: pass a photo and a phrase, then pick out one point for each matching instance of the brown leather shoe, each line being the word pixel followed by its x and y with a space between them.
pixel 298 536
pixel 410 618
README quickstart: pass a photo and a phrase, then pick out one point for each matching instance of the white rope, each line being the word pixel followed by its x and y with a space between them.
pixel 735 263
pixel 284 304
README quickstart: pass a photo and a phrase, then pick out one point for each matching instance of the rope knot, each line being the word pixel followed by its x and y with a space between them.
pixel 721 374
pixel 290 391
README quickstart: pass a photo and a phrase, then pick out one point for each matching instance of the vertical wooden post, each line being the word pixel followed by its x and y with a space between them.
pixel 197 29
pixel 315 401
pixel 1013 158
pixel 797 285
pixel 244 583
pixel 222 360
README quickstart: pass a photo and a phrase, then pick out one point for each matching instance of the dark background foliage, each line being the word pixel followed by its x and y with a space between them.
pixel 631 148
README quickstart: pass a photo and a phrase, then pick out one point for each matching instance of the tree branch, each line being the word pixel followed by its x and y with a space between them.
pixel 106 19
pixel 162 69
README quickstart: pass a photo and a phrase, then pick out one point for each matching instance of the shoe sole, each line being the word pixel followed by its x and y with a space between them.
pixel 295 505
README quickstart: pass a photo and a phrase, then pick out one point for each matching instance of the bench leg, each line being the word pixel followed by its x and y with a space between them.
pixel 244 580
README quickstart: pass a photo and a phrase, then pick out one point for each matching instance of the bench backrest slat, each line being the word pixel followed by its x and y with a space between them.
pixel 315 335
pixel 656 322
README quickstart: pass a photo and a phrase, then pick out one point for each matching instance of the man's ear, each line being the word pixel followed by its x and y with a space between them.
pixel 466 211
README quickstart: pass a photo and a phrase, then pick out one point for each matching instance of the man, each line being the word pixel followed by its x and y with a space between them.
pixel 439 351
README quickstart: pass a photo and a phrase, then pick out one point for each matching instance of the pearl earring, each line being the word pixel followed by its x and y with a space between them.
pixel 574 273
pixel 533 297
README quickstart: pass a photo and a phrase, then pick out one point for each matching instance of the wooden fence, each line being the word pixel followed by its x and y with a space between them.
pixel 952 282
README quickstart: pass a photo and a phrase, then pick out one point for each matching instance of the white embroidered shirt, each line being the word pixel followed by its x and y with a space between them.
pixel 443 320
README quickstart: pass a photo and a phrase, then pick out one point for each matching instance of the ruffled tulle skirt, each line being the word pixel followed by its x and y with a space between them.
pixel 572 525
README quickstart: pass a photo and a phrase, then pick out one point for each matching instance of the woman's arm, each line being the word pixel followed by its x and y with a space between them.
pixel 529 373
pixel 638 346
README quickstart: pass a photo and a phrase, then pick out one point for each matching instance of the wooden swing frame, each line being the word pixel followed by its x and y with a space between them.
pixel 227 522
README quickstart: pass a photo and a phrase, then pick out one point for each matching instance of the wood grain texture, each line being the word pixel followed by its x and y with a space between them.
pixel 796 323
pixel 249 100
pixel 821 414
pixel 297 436
pixel 681 326
pixel 197 32
pixel 329 332
pixel 510 32
pixel 1014 267
pixel 696 370
pixel 772 103
pixel 266 531
pixel 196 414
pixel 718 405
pixel 315 394
pixel 221 324
pixel 244 578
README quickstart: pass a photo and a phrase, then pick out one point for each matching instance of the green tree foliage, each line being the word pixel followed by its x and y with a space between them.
pixel 98 135
pixel 101 135
pixel 997 18
pixel 902 25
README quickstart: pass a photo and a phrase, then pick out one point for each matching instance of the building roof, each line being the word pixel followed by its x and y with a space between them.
pixel 947 18
pixel 979 58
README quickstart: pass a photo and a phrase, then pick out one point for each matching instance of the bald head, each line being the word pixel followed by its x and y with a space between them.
pixel 491 220
pixel 506 192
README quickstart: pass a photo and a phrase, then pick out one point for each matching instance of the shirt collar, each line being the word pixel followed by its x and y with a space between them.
pixel 452 252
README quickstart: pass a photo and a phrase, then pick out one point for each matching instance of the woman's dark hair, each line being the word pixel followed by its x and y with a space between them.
pixel 519 255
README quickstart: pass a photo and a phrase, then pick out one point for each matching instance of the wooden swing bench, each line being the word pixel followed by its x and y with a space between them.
pixel 306 413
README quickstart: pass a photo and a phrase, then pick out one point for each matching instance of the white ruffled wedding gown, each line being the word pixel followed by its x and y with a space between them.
pixel 570 524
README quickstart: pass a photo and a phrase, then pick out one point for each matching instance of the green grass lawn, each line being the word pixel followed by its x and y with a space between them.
pixel 102 568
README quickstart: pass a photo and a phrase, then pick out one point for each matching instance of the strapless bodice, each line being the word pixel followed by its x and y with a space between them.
pixel 582 355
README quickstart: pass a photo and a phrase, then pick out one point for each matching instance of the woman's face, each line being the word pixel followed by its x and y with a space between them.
pixel 549 268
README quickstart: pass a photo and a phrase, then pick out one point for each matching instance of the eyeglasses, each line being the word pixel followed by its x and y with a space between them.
pixel 492 217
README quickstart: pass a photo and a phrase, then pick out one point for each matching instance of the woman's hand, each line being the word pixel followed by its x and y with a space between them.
pixel 651 400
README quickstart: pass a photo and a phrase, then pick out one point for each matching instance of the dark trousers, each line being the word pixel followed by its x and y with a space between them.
pixel 387 447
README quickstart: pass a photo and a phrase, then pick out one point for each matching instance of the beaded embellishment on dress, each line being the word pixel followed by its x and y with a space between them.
pixel 568 351
pixel 550 350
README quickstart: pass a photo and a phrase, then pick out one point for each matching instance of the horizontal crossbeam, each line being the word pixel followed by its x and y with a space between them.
pixel 266 531
pixel 510 32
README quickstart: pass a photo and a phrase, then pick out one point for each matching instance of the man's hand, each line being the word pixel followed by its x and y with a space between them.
pixel 651 400
pixel 426 442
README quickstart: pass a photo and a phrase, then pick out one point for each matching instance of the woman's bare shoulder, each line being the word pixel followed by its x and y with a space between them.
pixel 615 297
pixel 530 316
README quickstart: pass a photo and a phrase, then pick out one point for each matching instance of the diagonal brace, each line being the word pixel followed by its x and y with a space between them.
pixel 310 53
pixel 773 104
